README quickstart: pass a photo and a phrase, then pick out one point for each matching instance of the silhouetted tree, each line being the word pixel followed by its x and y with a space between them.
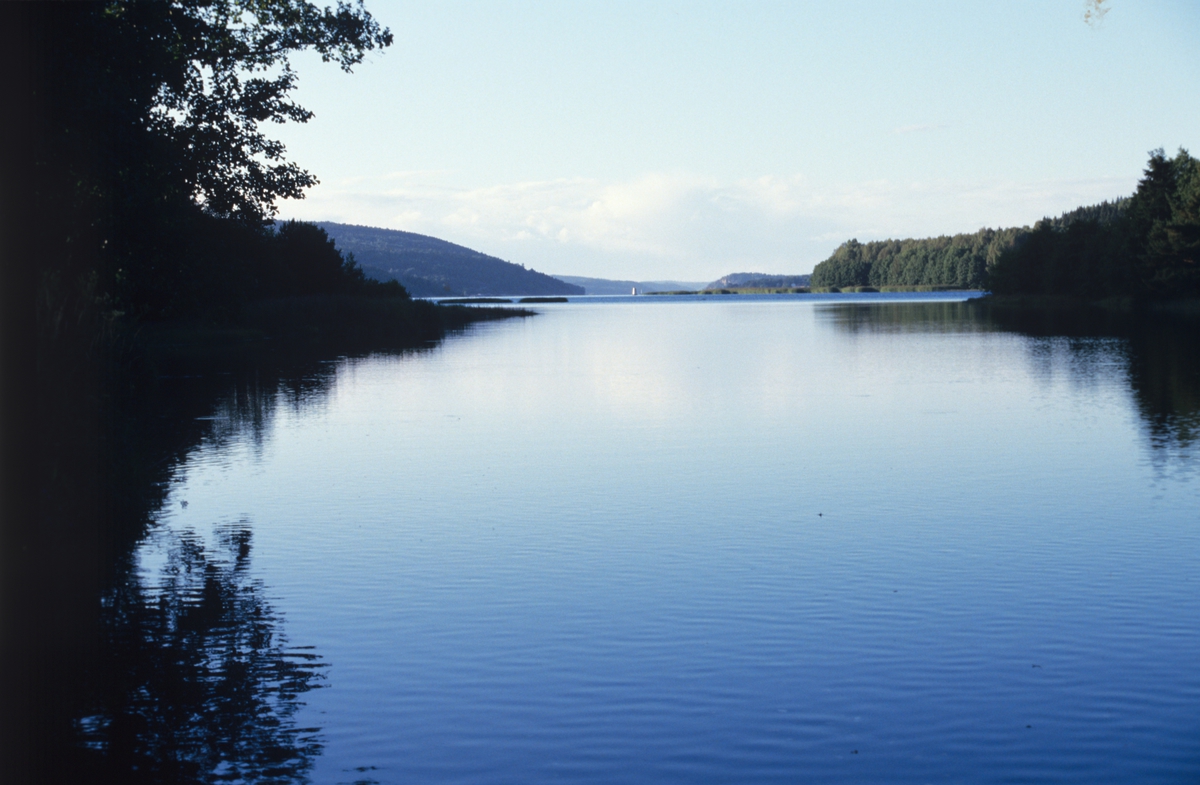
pixel 153 114
pixel 307 261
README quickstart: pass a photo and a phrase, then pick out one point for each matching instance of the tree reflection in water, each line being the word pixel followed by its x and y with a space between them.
pixel 115 674
pixel 192 678
pixel 1164 373
pixel 187 676
pixel 199 682
pixel 1159 355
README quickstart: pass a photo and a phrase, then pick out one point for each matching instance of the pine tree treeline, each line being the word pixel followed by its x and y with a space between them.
pixel 1145 246
pixel 1148 249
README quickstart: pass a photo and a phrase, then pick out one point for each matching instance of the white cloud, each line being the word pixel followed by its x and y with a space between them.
pixel 673 225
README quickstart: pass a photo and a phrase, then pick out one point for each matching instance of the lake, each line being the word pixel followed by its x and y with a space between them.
pixel 753 539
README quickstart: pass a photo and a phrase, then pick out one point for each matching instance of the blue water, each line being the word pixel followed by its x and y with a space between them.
pixel 752 539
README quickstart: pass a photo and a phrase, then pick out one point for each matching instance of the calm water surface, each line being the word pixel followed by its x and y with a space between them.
pixel 753 540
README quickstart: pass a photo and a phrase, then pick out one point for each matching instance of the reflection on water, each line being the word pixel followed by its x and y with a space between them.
pixel 902 317
pixel 198 682
pixel 193 678
pixel 1159 357
pixel 1165 378
pixel 582 614
pixel 178 671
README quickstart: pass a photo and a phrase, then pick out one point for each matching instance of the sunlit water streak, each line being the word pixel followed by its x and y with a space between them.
pixel 728 541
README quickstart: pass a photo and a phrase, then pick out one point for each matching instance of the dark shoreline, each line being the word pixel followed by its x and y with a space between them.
pixel 343 323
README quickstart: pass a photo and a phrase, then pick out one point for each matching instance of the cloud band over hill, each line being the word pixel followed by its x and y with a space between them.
pixel 682 226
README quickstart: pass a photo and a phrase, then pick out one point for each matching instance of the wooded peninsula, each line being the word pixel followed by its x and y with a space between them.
pixel 1145 247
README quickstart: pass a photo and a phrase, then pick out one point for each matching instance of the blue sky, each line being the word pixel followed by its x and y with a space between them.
pixel 689 140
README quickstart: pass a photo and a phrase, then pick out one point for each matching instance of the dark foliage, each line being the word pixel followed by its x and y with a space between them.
pixel 305 261
pixel 1105 212
pixel 1143 247
pixel 164 99
pixel 150 157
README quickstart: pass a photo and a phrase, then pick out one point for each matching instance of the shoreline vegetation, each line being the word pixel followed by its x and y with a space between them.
pixel 1144 248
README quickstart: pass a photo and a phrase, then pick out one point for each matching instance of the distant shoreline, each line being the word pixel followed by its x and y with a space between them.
pixel 819 290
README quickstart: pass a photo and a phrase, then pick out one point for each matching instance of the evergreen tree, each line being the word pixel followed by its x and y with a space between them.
pixel 1146 246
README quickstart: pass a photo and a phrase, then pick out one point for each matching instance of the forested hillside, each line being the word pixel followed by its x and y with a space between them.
pixel 429 267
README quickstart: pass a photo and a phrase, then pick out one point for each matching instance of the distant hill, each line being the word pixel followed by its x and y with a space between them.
pixel 757 280
pixel 429 267
pixel 609 286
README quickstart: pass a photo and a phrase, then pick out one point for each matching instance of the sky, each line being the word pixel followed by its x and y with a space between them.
pixel 673 140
